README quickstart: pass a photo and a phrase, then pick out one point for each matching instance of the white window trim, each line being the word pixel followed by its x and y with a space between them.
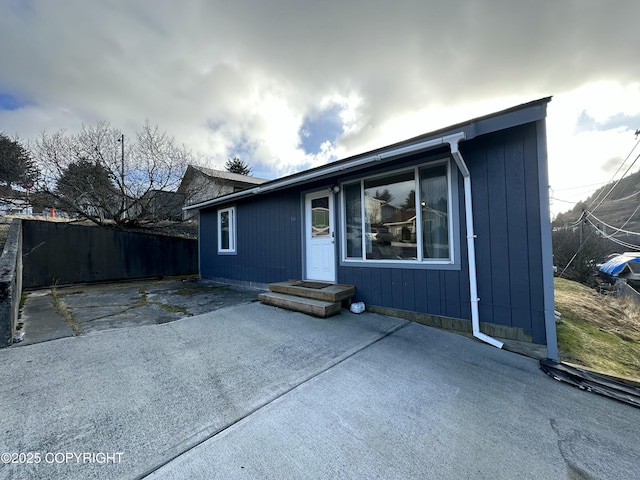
pixel 424 261
pixel 232 230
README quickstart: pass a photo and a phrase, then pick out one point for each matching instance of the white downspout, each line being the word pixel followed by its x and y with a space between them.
pixel 453 140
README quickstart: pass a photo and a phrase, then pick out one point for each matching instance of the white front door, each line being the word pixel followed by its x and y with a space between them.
pixel 320 237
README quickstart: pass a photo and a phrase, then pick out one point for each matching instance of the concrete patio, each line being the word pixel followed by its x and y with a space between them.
pixel 252 391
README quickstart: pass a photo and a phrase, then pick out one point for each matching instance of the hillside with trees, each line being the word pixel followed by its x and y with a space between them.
pixel 616 204
pixel 603 224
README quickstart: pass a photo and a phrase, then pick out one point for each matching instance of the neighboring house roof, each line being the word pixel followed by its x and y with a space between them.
pixel 228 176
pixel 161 194
pixel 511 117
pixel 620 265
pixel 200 184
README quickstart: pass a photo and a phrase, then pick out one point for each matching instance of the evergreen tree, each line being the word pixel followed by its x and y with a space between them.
pixel 16 165
pixel 385 195
pixel 236 165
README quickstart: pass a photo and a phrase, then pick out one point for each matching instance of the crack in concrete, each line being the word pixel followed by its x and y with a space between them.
pixel 64 312
pixel 574 472
pixel 141 302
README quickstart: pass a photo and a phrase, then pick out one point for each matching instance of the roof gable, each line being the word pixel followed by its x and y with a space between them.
pixel 228 176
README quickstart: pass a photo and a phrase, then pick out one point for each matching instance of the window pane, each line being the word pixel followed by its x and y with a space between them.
pixel 435 218
pixel 320 217
pixel 353 215
pixel 224 230
pixel 390 217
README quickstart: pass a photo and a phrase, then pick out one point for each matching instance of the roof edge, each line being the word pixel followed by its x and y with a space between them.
pixel 509 117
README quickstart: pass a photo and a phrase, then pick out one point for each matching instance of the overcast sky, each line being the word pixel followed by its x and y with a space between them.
pixel 286 85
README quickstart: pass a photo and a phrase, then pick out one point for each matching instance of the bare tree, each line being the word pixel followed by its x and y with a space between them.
pixel 143 173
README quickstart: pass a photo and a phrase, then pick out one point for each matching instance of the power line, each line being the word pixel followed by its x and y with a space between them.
pixel 617 230
pixel 581 186
pixel 586 218
pixel 619 168
pixel 612 238
pixel 621 199
pixel 563 201
pixel 574 224
pixel 624 244
pixel 564 241
pixel 631 216
pixel 614 175
pixel 583 242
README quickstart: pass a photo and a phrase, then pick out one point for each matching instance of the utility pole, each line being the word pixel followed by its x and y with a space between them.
pixel 124 201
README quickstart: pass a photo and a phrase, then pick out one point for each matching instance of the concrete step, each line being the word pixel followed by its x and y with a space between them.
pixel 328 292
pixel 317 308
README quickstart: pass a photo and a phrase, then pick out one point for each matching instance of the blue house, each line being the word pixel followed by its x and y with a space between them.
pixel 450 228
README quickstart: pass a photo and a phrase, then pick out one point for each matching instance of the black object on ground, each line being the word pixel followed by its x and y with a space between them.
pixel 591 382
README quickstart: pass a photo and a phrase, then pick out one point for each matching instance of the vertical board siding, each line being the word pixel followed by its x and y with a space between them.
pixel 507 218
pixel 505 194
pixel 268 234
pixel 397 289
pixel 420 291
pixel 536 276
pixel 482 229
pixel 498 240
pixel 434 292
pixel 408 287
pixel 507 224
pixel 518 239
pixel 376 284
pixel 452 296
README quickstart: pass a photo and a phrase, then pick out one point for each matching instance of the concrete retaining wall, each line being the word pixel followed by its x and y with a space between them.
pixel 10 283
pixel 62 253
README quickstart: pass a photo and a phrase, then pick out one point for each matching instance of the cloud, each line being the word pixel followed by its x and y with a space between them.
pixel 618 120
pixel 612 164
pixel 319 127
pixel 249 78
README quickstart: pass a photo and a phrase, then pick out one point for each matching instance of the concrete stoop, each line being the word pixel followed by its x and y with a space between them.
pixel 319 299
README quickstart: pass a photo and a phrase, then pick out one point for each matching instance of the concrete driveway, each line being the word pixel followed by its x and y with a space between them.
pixel 252 391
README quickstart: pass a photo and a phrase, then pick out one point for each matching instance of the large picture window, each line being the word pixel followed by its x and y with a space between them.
pixel 403 216
pixel 227 230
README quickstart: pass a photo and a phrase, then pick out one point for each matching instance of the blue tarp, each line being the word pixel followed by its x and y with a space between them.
pixel 615 265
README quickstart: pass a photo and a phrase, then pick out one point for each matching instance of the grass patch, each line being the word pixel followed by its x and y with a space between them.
pixel 188 291
pixel 601 332
pixel 64 312
pixel 171 309
pixel 23 299
pixel 143 300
